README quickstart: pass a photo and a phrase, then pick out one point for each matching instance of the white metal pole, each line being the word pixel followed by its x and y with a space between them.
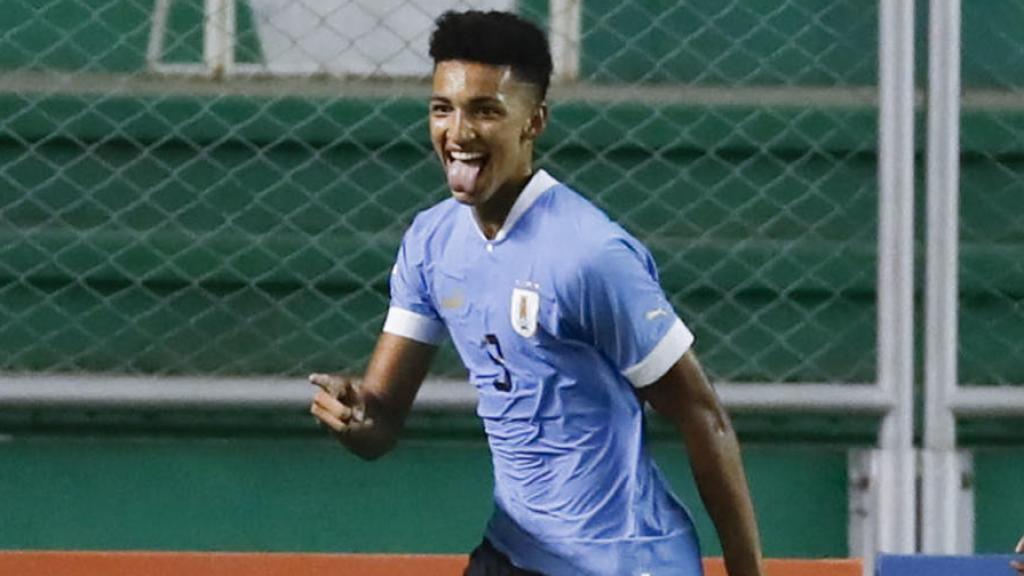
pixel 106 391
pixel 896 507
pixel 219 37
pixel 988 401
pixel 941 467
pixel 157 30
pixel 565 17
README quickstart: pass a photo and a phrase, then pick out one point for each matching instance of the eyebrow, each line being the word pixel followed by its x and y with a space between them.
pixel 477 101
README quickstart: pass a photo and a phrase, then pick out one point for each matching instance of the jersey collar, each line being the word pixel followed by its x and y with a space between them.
pixel 538 184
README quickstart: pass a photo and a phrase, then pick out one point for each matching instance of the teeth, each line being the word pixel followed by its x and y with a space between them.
pixel 466 156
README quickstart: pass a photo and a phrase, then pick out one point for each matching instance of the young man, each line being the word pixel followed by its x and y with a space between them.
pixel 557 314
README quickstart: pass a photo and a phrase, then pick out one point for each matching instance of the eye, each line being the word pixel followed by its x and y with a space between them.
pixel 440 108
pixel 489 112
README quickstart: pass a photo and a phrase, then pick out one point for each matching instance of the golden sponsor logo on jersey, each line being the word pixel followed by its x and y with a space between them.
pixel 452 302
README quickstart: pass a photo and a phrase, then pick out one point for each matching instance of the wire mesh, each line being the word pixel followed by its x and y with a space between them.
pixel 162 216
pixel 992 195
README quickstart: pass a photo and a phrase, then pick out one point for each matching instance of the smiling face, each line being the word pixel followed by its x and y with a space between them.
pixel 483 122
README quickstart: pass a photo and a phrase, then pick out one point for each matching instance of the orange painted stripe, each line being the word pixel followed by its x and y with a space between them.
pixel 786 567
pixel 224 564
pixel 54 563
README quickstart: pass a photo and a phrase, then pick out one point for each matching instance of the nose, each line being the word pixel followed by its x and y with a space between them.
pixel 461 129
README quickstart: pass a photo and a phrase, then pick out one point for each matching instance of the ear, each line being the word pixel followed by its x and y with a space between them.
pixel 537 123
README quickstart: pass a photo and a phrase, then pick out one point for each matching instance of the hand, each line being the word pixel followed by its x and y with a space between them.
pixel 1017 564
pixel 339 404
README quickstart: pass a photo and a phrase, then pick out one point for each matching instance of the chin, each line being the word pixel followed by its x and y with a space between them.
pixel 472 198
pixel 469 199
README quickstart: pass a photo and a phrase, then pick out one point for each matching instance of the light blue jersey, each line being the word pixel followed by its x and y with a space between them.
pixel 557 319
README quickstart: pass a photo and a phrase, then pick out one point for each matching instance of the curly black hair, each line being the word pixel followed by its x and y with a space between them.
pixel 496 38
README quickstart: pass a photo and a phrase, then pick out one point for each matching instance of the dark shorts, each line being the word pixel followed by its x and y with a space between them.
pixel 486 560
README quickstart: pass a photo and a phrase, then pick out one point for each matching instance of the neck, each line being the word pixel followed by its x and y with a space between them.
pixel 491 216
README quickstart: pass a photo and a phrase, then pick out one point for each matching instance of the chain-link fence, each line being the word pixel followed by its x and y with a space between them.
pixel 168 209
pixel 992 194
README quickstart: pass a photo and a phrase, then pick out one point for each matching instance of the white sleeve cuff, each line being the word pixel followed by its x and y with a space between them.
pixel 673 345
pixel 408 324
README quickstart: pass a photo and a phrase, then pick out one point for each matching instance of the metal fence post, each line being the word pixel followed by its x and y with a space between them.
pixel 896 462
pixel 940 464
pixel 219 37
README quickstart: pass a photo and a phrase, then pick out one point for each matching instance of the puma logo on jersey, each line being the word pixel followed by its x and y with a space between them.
pixel 651 315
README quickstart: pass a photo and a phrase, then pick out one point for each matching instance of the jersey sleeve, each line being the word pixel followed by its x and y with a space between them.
pixel 411 313
pixel 626 315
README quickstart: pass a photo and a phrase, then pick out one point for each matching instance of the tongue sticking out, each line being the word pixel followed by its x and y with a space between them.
pixel 462 176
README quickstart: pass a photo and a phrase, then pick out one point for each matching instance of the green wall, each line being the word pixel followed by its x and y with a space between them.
pixel 308 494
pixel 999 513
pixel 251 481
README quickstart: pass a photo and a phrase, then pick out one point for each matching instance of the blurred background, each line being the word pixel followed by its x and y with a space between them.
pixel 200 202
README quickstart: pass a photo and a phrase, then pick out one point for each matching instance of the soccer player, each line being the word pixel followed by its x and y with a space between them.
pixel 557 313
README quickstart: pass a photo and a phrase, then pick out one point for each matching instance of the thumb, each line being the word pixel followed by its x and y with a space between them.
pixel 348 393
pixel 352 396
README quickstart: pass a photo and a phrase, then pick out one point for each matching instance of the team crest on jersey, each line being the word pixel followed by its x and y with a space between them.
pixel 525 307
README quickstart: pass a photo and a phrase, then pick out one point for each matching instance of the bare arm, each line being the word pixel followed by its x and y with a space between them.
pixel 368 417
pixel 685 396
pixel 1017 564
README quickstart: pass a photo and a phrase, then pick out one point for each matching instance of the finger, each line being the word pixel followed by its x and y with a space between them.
pixel 359 414
pixel 1020 545
pixel 348 394
pixel 352 425
pixel 339 425
pixel 340 387
pixel 325 382
pixel 328 419
pixel 332 405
